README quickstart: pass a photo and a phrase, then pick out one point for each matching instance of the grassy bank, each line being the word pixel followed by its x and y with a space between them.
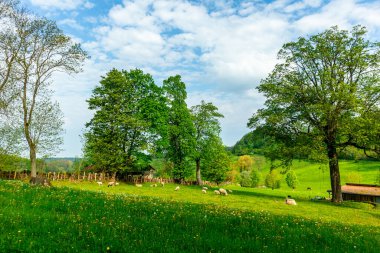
pixel 119 220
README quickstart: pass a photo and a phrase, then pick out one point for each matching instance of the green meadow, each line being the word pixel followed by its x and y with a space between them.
pixel 86 217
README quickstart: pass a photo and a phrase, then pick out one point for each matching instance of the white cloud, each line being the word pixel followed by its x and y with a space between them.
pixel 71 23
pixel 344 13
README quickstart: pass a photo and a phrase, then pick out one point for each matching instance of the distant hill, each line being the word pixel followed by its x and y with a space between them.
pixel 62 158
pixel 249 143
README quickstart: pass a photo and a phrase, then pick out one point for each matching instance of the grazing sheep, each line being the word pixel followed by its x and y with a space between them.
pixel 204 191
pixel 290 202
pixel 177 188
pixel 223 192
pixel 99 183
pixel 138 185
pixel 230 191
pixel 116 183
pixel 217 192
pixel 162 184
pixel 111 184
pixel 204 188
pixel 153 185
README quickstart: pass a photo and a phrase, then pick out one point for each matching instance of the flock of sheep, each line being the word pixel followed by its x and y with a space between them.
pixel 221 191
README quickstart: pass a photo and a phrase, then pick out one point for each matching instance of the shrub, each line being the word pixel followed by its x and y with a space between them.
pixel 273 180
pixel 245 162
pixel 255 177
pixel 291 179
pixel 246 180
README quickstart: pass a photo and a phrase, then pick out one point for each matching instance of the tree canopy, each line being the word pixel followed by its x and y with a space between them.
pixel 181 131
pixel 130 113
pixel 205 119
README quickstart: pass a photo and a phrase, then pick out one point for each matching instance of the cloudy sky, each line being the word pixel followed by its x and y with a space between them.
pixel 222 49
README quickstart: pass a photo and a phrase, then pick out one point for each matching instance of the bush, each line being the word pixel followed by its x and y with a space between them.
pixel 291 179
pixel 273 180
pixel 255 177
pixel 246 180
pixel 245 162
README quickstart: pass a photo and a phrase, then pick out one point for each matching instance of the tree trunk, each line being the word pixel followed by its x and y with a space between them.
pixel 334 172
pixel 198 171
pixel 33 161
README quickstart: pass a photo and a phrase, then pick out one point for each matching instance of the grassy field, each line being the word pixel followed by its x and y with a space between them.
pixel 86 217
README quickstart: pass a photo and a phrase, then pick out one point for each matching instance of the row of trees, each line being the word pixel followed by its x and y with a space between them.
pixel 31 50
pixel 136 120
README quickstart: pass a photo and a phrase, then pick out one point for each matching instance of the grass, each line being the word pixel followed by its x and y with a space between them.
pixel 131 219
pixel 86 217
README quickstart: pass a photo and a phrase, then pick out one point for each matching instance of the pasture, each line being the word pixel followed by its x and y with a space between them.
pixel 86 217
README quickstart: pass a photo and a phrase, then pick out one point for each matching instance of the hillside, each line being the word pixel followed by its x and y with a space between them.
pixel 130 219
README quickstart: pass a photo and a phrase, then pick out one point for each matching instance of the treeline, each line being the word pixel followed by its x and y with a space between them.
pixel 19 164
pixel 258 142
pixel 135 120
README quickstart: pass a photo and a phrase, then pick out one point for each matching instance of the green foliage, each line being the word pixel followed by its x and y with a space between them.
pixel 207 128
pixel 256 177
pixel 322 98
pixel 181 131
pixel 245 162
pixel 216 162
pixel 245 179
pixel 273 180
pixel 13 163
pixel 250 143
pixel 130 119
pixel 291 179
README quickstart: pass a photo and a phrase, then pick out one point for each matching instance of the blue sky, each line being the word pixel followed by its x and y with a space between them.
pixel 222 49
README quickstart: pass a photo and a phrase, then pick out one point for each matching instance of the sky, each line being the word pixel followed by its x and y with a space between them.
pixel 222 49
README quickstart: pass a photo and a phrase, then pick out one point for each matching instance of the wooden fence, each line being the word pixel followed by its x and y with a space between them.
pixel 91 176
pixel 86 176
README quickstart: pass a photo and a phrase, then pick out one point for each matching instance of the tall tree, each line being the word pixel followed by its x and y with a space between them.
pixel 323 97
pixel 130 113
pixel 181 131
pixel 205 119
pixel 216 161
pixel 44 50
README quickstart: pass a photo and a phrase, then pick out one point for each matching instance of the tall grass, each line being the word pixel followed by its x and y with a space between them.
pixel 37 219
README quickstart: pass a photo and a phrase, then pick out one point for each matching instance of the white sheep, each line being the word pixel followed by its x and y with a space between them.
pixel 99 183
pixel 204 188
pixel 111 184
pixel 290 202
pixel 138 185
pixel 162 184
pixel 223 192
pixel 153 185
pixel 217 192
pixel 177 188
pixel 204 191
pixel 116 183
